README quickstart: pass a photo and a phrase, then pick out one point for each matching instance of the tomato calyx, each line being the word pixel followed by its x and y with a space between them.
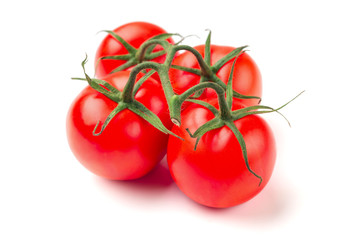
pixel 136 56
pixel 226 117
pixel 125 100
pixel 208 72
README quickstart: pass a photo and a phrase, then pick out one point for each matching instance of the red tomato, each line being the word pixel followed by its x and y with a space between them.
pixel 246 78
pixel 135 34
pixel 215 174
pixel 129 147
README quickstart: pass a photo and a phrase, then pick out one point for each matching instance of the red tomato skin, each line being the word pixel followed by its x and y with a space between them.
pixel 135 33
pixel 129 147
pixel 215 174
pixel 246 78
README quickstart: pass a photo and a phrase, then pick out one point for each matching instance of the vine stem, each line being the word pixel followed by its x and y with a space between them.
pixel 175 101
pixel 160 69
pixel 140 55
pixel 205 68
pixel 178 100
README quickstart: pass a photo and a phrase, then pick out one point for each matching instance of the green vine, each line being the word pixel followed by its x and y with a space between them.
pixel 139 58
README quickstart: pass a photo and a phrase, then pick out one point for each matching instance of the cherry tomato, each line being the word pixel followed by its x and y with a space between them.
pixel 246 78
pixel 135 33
pixel 215 174
pixel 129 147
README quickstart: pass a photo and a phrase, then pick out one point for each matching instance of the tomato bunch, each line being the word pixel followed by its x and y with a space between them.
pixel 200 107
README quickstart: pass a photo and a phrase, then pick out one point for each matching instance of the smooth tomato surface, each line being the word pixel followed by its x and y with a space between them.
pixel 215 174
pixel 246 78
pixel 135 33
pixel 129 147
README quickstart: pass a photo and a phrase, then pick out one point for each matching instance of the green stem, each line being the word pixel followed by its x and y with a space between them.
pixel 127 94
pixel 162 70
pixel 154 55
pixel 205 68
pixel 141 81
pixel 140 55
pixel 177 101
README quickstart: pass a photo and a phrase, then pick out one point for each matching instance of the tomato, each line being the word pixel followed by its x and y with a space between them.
pixel 135 33
pixel 246 79
pixel 215 174
pixel 129 147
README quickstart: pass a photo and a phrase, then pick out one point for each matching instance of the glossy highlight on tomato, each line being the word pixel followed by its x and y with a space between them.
pixel 215 174
pixel 129 147
pixel 246 78
pixel 135 33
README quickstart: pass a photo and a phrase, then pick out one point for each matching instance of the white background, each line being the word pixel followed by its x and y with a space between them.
pixel 298 45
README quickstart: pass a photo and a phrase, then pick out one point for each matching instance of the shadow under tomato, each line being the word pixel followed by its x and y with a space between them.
pixel 271 206
pixel 148 188
pixel 158 190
